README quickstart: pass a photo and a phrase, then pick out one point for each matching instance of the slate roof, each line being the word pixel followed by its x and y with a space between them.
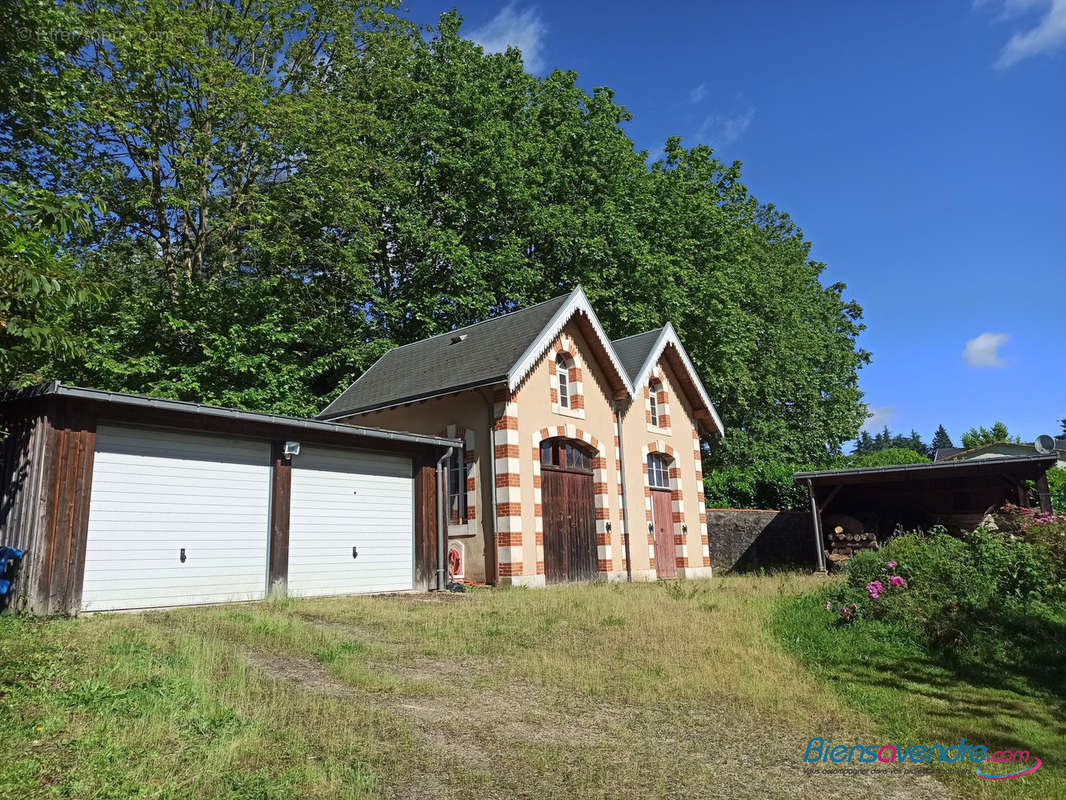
pixel 439 365
pixel 943 453
pixel 633 351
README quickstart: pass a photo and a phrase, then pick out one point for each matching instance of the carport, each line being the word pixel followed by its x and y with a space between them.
pixel 955 494
pixel 123 502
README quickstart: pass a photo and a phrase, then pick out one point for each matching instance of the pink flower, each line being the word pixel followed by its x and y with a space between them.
pixel 891 565
pixel 828 606
pixel 896 580
pixel 874 589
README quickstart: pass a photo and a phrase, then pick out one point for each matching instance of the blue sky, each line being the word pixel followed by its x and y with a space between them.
pixel 921 146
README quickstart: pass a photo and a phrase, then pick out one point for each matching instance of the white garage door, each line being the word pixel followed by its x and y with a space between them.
pixel 176 519
pixel 351 523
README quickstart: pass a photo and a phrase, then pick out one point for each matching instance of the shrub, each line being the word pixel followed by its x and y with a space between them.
pixel 950 592
pixel 762 485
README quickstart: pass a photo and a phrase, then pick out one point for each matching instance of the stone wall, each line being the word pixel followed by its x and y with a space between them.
pixel 744 539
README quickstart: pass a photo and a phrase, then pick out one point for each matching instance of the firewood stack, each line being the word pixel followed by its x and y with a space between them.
pixel 846 536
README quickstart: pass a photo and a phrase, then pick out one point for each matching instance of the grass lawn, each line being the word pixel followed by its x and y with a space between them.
pixel 619 691
pixel 918 700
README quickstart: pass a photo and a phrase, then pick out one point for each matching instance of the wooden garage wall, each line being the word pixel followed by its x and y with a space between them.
pixel 47 464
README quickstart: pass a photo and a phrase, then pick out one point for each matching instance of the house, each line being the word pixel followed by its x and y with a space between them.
pixel 581 455
pixel 127 502
pixel 1000 450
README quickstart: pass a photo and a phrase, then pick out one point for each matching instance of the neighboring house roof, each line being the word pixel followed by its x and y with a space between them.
pixel 944 453
pixel 964 454
pixel 503 350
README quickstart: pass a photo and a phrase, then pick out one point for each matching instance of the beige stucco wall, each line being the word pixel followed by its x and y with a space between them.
pixel 532 405
pixel 637 434
pixel 468 410
pixel 533 399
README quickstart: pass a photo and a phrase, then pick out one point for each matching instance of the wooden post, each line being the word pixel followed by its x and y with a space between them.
pixel 280 497
pixel 1045 493
pixel 816 518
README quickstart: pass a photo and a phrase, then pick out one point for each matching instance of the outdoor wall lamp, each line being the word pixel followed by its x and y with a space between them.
pixel 290 449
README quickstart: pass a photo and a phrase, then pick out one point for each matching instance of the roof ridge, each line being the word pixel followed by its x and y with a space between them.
pixel 453 331
pixel 635 335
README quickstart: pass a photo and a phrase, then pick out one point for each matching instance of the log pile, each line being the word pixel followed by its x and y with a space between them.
pixel 846 536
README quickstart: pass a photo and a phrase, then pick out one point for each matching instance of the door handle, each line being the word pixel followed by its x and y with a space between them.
pixel 181 556
pixel 355 552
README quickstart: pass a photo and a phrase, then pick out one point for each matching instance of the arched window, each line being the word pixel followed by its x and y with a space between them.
pixel 658 471
pixel 653 402
pixel 562 371
pixel 565 454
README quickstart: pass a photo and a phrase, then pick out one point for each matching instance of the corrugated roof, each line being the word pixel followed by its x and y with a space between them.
pixel 943 467
pixel 477 355
pixel 57 389
pixel 633 351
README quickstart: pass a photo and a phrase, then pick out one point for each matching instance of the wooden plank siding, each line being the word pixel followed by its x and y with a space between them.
pixel 280 497
pixel 46 469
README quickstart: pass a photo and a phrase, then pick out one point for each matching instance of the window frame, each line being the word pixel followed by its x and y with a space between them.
pixel 658 471
pixel 457 497
pixel 653 402
pixel 562 374
pixel 565 454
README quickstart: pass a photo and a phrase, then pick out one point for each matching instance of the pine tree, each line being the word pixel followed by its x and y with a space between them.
pixel 1063 421
pixel 940 441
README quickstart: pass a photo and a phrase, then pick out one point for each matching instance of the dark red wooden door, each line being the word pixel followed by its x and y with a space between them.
pixel 569 526
pixel 662 515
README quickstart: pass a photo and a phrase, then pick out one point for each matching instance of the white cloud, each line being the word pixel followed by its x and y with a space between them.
pixel 514 28
pixel 696 95
pixel 723 129
pixel 1048 34
pixel 983 350
pixel 879 417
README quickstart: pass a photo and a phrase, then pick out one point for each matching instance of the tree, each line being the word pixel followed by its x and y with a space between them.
pixel 293 188
pixel 978 437
pixel 885 440
pixel 889 456
pixel 1063 421
pixel 39 286
pixel 940 441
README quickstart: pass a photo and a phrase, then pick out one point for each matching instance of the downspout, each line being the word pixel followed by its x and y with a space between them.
pixel 817 519
pixel 442 528
pixel 490 523
pixel 622 483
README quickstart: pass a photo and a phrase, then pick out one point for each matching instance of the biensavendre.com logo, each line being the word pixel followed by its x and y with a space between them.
pixel 991 765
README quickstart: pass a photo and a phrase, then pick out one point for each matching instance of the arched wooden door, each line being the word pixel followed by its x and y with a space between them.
pixel 568 511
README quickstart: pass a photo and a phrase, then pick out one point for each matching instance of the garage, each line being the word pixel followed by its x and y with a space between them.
pixel 124 502
pixel 176 519
pixel 351 523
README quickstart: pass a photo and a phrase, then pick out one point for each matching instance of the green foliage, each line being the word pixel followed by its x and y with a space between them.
pixel 330 180
pixel 940 440
pixel 888 457
pixel 39 286
pixel 884 440
pixel 763 485
pixel 962 597
pixel 978 437
pixel 1056 481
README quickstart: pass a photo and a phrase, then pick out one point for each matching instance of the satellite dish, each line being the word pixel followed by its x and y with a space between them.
pixel 1044 445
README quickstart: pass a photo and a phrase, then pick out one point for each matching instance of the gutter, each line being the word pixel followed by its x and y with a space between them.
pixel 490 523
pixel 622 481
pixel 442 528
pixel 58 389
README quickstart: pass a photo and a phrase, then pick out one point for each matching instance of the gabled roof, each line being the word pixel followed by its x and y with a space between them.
pixel 498 350
pixel 642 352
pixel 963 454
pixel 633 351
pixel 944 453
